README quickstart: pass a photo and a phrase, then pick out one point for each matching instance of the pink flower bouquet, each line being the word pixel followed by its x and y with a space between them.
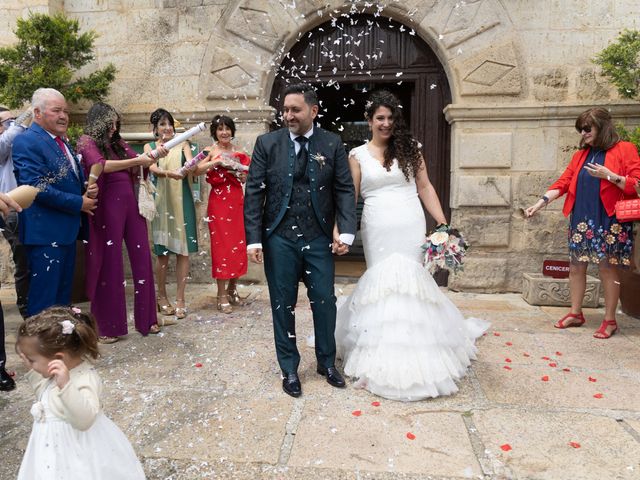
pixel 445 248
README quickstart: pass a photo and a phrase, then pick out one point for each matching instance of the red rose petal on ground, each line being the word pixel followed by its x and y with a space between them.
pixel 546 358
pixel 598 395
pixel 496 334
pixel 375 404
pixel 566 369
pixel 552 364
pixel 411 436
pixel 508 344
pixel 198 365
pixel 356 413
pixel 574 444
pixel 591 379
pixel 526 355
pixel 508 360
pixel 559 354
pixel 506 447
pixel 507 367
pixel 545 378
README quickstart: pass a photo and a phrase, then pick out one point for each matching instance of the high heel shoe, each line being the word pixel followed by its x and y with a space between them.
pixel 234 297
pixel 181 312
pixel 560 323
pixel 224 307
pixel 167 309
pixel 602 331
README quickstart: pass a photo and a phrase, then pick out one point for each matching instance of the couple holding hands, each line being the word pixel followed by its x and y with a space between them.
pixel 397 334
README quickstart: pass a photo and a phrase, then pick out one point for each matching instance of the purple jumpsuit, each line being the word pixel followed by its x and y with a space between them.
pixel 117 219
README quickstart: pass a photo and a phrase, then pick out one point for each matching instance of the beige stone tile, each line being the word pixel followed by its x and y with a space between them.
pixel 208 427
pixel 517 346
pixel 541 450
pixel 523 385
pixel 580 349
pixel 329 434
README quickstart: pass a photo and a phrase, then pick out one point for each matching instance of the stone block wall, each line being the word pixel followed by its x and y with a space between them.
pixel 519 76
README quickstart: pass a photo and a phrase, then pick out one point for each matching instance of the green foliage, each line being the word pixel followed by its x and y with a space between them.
pixel 630 135
pixel 620 62
pixel 74 131
pixel 49 50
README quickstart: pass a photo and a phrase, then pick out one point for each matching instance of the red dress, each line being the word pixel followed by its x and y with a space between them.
pixel 226 222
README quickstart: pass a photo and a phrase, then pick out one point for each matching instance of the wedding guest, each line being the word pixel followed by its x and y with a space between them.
pixel 10 128
pixel 116 220
pixel 603 171
pixel 6 381
pixel 50 227
pixel 174 229
pixel 225 211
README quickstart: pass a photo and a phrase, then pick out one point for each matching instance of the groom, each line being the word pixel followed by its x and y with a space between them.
pixel 298 188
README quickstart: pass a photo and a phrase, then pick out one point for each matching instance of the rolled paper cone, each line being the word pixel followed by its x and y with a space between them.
pixel 94 173
pixel 24 195
pixel 183 137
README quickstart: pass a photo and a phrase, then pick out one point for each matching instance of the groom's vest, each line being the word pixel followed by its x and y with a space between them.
pixel 300 219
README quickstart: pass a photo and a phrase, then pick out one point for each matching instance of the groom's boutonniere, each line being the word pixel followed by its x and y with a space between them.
pixel 321 159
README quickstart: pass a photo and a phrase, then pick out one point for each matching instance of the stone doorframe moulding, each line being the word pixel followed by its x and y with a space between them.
pixel 474 40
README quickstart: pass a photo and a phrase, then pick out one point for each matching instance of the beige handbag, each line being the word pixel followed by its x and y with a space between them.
pixel 146 201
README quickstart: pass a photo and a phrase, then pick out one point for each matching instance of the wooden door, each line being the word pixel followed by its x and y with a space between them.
pixel 348 58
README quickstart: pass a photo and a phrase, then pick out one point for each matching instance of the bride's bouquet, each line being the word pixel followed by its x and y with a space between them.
pixel 445 248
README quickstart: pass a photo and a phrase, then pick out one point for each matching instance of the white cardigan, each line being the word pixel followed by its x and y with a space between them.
pixel 78 403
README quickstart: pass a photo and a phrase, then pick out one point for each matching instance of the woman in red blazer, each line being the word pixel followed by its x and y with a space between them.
pixel 603 171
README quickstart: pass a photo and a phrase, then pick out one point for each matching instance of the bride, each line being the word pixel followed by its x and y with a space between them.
pixel 398 335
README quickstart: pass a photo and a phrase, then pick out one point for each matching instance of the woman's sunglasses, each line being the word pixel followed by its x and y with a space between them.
pixel 584 128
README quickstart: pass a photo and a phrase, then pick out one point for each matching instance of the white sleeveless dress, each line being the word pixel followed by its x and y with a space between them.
pixel 57 451
pixel 397 334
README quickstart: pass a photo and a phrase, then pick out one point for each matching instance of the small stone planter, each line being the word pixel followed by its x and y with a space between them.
pixel 548 291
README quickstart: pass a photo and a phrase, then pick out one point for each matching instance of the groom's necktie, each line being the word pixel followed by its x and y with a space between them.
pixel 303 154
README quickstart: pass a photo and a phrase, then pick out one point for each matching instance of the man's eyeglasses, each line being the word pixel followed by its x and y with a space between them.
pixel 8 122
pixel 584 128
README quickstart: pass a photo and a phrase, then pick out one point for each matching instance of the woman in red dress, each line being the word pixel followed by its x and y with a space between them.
pixel 225 211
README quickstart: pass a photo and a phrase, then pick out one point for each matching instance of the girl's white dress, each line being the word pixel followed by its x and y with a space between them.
pixel 397 333
pixel 57 450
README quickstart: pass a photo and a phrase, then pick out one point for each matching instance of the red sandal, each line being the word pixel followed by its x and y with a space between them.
pixel 579 316
pixel 602 331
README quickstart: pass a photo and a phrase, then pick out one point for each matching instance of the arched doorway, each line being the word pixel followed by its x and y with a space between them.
pixel 350 56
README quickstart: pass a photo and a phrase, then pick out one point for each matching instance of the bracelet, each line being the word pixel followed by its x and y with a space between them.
pixel 545 199
pixel 618 180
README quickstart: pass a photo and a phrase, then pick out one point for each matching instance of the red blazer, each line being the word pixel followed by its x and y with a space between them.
pixel 621 159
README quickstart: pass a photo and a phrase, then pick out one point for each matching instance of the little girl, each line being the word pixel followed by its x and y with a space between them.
pixel 71 437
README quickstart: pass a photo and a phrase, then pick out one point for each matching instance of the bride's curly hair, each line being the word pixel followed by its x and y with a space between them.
pixel 402 146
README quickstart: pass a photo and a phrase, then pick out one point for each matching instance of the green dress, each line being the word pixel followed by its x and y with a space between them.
pixel 174 229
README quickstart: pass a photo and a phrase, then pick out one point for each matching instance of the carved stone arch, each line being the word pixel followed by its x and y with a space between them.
pixel 474 40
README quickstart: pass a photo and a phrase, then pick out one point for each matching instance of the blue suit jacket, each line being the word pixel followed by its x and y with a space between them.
pixel 55 216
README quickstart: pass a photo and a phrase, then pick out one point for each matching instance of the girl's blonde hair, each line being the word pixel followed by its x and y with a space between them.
pixel 62 329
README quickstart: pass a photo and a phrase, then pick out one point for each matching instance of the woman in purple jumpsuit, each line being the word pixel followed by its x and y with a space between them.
pixel 116 219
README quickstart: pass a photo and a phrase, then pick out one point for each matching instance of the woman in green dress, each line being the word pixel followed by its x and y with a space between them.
pixel 174 229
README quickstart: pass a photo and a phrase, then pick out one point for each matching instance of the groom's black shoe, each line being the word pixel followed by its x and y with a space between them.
pixel 333 376
pixel 6 382
pixel 291 384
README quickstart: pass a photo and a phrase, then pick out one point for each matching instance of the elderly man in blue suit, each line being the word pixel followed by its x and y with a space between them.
pixel 42 158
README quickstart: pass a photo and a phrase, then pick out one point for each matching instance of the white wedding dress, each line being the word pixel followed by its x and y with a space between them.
pixel 397 334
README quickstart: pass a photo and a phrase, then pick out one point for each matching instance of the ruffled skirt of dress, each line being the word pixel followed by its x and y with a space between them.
pixel 401 337
pixel 56 450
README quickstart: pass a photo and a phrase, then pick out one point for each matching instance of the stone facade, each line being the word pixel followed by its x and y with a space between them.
pixel 518 75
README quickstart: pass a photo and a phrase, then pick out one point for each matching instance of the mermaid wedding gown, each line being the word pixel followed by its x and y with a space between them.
pixel 397 334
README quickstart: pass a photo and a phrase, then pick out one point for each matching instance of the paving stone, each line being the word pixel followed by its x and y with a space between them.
pixel 377 440
pixel 540 445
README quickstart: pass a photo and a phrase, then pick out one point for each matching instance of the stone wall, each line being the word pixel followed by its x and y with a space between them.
pixel 519 76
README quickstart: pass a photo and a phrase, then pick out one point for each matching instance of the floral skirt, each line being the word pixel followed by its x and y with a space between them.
pixel 596 243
